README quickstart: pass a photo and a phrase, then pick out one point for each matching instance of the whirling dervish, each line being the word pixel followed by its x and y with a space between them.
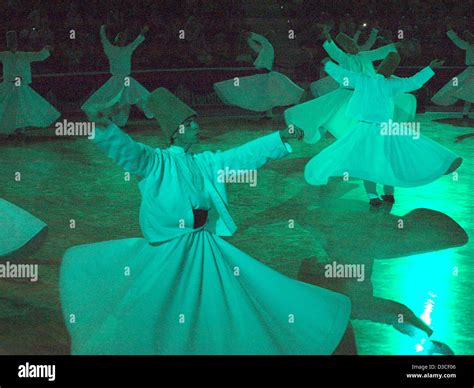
pixel 260 92
pixel 121 85
pixel 20 105
pixel 376 151
pixel 460 87
pixel 326 84
pixel 328 113
pixel 188 291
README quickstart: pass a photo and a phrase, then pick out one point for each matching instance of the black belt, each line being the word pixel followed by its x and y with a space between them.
pixel 200 217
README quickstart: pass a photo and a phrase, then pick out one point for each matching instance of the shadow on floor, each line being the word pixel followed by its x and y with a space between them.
pixel 457 122
pixel 378 235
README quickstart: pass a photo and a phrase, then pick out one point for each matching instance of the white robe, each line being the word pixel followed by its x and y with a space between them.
pixel 121 86
pixel 360 62
pixel 260 92
pixel 20 105
pixel 189 291
pixel 376 150
pixel 363 61
pixel 328 112
pixel 460 87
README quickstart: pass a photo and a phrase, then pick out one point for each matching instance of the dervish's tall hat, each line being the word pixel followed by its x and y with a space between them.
pixel 168 110
pixel 343 40
pixel 390 63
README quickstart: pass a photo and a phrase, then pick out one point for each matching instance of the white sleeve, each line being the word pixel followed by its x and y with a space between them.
pixel 462 44
pixel 136 158
pixel 415 82
pixel 343 76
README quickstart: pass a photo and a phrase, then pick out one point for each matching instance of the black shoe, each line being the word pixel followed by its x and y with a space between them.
pixel 388 198
pixel 375 202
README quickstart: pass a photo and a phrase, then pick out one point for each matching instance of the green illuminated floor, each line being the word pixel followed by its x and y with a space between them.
pixel 64 179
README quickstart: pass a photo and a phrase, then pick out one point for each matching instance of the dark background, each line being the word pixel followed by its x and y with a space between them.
pixel 213 38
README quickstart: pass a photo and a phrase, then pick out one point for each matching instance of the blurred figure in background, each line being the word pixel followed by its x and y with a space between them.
pixel 121 86
pixel 20 105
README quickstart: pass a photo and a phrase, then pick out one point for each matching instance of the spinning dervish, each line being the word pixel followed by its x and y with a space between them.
pixel 329 112
pixel 372 151
pixel 190 291
pixel 264 91
pixel 121 85
pixel 20 105
pixel 460 87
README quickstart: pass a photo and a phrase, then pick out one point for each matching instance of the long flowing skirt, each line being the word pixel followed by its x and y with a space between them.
pixel 328 113
pixel 259 92
pixel 21 106
pixel 396 160
pixel 125 89
pixel 17 227
pixel 459 88
pixel 195 294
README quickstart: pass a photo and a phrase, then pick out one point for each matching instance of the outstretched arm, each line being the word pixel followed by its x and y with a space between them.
pixel 38 56
pixel 462 44
pixel 258 152
pixel 136 158
pixel 380 53
pixel 343 76
pixel 331 48
pixel 266 53
pixel 415 82
pixel 260 39
pixel 103 38
pixel 139 39
pixel 370 40
pixel 253 43
pixel 334 51
pixel 357 36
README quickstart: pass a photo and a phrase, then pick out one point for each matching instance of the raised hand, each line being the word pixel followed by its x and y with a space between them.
pixel 144 30
pixel 101 116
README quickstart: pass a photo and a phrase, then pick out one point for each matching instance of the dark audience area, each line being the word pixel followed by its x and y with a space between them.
pixel 213 34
